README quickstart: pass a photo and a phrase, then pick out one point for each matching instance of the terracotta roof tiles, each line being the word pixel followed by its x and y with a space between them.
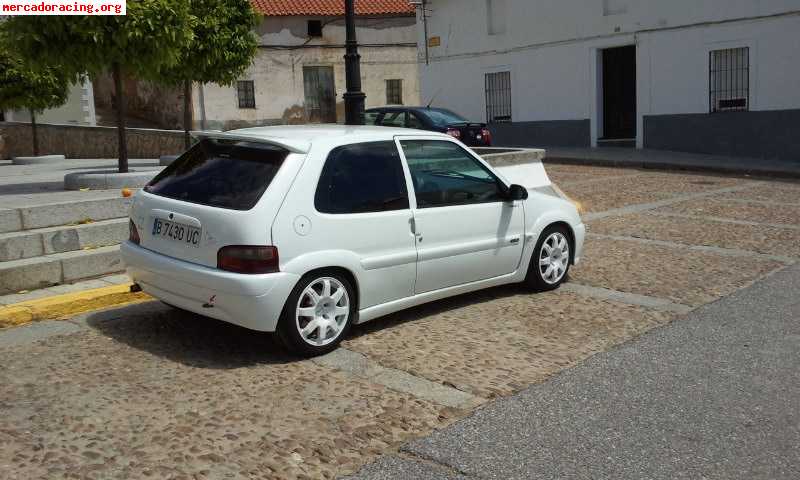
pixel 331 7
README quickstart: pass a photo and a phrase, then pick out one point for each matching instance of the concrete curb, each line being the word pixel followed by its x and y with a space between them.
pixel 755 170
pixel 167 159
pixel 42 159
pixel 61 306
pixel 107 179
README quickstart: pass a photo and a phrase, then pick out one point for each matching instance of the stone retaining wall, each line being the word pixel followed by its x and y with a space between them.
pixel 76 141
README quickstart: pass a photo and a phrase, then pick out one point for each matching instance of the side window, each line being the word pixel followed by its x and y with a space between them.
pixel 394 119
pixel 371 118
pixel 360 178
pixel 444 174
pixel 414 121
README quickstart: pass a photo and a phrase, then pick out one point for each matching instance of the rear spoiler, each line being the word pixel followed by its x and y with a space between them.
pixel 292 145
pixel 466 124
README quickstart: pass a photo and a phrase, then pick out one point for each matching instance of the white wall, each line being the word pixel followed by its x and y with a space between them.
pixel 387 48
pixel 551 47
pixel 78 110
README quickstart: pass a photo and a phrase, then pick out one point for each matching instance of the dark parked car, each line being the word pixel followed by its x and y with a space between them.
pixel 434 119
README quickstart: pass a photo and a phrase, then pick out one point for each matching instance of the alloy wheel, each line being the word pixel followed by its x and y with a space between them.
pixel 322 311
pixel 554 258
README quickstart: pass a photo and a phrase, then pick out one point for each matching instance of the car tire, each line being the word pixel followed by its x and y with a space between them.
pixel 549 264
pixel 318 314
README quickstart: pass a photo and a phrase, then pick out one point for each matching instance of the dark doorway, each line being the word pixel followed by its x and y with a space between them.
pixel 320 94
pixel 619 93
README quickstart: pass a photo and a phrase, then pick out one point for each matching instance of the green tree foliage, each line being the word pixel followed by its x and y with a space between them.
pixel 222 48
pixel 25 88
pixel 151 36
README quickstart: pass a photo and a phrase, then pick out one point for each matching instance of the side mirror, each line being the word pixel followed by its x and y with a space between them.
pixel 517 192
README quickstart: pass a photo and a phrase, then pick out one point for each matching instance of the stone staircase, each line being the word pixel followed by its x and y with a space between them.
pixel 58 243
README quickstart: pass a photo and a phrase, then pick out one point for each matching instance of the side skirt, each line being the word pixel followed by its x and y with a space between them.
pixel 376 311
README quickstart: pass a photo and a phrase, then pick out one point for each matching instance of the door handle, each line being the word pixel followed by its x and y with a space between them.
pixel 514 240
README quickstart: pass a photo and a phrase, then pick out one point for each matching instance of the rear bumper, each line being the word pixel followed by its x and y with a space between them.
pixel 250 301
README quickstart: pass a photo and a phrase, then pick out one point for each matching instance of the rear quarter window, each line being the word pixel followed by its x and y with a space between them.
pixel 228 174
pixel 361 178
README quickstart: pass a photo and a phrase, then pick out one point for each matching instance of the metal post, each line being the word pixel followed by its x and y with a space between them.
pixel 354 97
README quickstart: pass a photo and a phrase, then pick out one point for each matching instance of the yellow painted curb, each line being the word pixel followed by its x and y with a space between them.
pixel 60 306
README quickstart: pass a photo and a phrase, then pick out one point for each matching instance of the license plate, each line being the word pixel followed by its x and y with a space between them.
pixel 176 232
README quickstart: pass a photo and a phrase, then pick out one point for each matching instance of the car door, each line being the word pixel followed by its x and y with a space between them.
pixel 352 209
pixel 465 229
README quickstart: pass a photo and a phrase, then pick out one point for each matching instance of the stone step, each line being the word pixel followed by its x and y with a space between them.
pixel 63 213
pixel 46 241
pixel 58 268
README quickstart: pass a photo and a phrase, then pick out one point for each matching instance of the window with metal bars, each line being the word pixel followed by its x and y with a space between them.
pixel 498 97
pixel 245 91
pixel 729 79
pixel 394 92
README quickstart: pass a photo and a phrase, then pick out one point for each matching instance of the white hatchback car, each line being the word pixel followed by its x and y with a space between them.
pixel 308 230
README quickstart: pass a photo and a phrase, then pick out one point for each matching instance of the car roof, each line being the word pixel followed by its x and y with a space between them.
pixel 404 107
pixel 298 138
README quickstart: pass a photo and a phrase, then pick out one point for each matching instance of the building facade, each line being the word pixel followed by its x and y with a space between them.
pixel 717 77
pixel 298 73
pixel 78 109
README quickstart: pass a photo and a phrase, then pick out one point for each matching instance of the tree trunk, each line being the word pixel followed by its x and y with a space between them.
pixel 119 93
pixel 187 113
pixel 35 136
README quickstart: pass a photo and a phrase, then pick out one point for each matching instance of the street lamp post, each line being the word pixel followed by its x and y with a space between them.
pixel 354 97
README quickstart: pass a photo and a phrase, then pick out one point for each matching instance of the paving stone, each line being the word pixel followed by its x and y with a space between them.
pixel 644 188
pixel 756 238
pixel 753 212
pixel 678 275
pixel 496 342
pixel 566 174
pixel 172 395
pixel 616 193
pixel 781 192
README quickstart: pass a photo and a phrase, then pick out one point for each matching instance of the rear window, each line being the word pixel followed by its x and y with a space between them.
pixel 221 173
pixel 442 118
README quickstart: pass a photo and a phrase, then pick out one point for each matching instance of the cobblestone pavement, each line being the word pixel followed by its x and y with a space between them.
pixel 147 392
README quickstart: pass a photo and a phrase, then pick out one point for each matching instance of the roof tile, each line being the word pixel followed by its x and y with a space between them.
pixel 331 7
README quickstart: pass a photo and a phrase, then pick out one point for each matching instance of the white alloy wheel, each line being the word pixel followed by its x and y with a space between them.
pixel 322 311
pixel 554 258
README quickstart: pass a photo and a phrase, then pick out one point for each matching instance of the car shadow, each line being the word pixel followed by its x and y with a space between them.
pixel 188 338
pixel 203 342
pixel 397 319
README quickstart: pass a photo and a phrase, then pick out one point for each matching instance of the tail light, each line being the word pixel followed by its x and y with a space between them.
pixel 248 259
pixel 454 132
pixel 133 234
pixel 486 135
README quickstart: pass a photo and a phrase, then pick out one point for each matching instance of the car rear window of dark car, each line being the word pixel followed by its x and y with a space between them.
pixel 229 174
pixel 442 118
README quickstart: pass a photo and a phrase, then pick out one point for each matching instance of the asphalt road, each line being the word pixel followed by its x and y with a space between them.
pixel 714 395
